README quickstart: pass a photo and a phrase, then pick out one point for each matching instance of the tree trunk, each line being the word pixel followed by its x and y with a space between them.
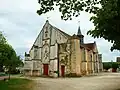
pixel 9 76
pixel 1 68
pixel 9 73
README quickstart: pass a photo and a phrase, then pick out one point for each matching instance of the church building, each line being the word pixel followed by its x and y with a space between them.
pixel 58 54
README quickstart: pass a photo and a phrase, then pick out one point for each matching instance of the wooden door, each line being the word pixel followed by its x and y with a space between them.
pixel 45 67
pixel 62 70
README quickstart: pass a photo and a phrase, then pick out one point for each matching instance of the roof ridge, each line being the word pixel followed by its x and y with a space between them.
pixel 39 34
pixel 61 30
pixel 89 43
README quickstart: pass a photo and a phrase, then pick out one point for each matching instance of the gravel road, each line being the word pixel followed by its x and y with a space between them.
pixel 104 81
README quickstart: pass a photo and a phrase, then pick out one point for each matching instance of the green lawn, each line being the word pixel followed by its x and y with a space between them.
pixel 16 84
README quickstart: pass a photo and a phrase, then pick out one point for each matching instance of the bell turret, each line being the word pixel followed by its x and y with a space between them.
pixel 79 34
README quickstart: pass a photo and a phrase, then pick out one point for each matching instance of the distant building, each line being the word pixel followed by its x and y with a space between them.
pixel 118 59
pixel 55 53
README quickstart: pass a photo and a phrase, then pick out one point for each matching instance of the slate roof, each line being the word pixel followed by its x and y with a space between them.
pixel 79 31
pixel 89 46
pixel 75 37
pixel 60 31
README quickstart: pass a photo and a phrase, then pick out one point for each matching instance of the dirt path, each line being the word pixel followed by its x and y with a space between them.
pixel 108 81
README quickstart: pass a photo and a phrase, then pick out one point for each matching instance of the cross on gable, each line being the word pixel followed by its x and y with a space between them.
pixel 48 18
pixel 79 22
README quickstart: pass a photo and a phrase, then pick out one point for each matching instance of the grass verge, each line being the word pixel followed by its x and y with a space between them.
pixel 16 84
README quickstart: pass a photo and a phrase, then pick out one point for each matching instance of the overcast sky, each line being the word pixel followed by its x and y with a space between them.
pixel 21 24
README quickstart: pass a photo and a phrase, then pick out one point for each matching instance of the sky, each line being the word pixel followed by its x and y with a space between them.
pixel 21 25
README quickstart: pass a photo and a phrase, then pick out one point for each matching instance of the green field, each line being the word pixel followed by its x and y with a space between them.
pixel 16 84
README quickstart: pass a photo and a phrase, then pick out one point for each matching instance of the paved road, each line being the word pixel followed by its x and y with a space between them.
pixel 104 81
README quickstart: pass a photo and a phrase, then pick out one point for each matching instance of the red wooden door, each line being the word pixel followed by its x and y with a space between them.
pixel 62 70
pixel 45 67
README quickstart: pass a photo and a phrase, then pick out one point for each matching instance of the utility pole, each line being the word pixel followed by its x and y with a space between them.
pixel 111 63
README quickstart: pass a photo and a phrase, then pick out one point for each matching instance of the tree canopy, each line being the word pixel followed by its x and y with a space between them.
pixel 107 23
pixel 108 65
pixel 68 8
pixel 106 18
pixel 8 56
pixel 2 39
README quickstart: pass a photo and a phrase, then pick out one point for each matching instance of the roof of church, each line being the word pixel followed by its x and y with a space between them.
pixel 58 29
pixel 79 31
pixel 55 29
pixel 74 37
pixel 89 45
pixel 61 31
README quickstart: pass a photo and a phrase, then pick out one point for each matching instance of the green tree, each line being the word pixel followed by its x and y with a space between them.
pixel 2 39
pixel 68 8
pixel 2 44
pixel 115 65
pixel 106 17
pixel 8 56
pixel 107 23
pixel 107 65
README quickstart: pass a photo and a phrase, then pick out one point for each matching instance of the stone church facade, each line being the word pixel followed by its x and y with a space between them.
pixel 55 54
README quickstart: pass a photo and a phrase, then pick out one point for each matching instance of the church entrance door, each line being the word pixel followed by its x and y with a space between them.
pixel 62 70
pixel 45 69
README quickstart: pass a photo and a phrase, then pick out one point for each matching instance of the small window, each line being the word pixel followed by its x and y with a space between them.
pixel 46 31
pixel 83 55
pixel 46 28
pixel 91 58
pixel 35 53
pixel 45 42
pixel 46 34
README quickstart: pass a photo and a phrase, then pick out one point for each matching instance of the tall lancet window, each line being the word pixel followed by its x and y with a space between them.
pixel 91 58
pixel 46 32
pixel 35 52
pixel 83 55
pixel 81 40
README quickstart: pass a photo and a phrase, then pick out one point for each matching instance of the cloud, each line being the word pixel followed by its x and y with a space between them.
pixel 21 25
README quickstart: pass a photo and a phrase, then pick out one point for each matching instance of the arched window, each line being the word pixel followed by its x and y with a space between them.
pixel 84 55
pixel 91 58
pixel 46 35
pixel 35 53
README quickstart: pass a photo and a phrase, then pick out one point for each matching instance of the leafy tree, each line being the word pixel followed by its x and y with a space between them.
pixel 8 56
pixel 2 39
pixel 106 17
pixel 68 8
pixel 2 43
pixel 107 65
pixel 114 65
pixel 107 23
